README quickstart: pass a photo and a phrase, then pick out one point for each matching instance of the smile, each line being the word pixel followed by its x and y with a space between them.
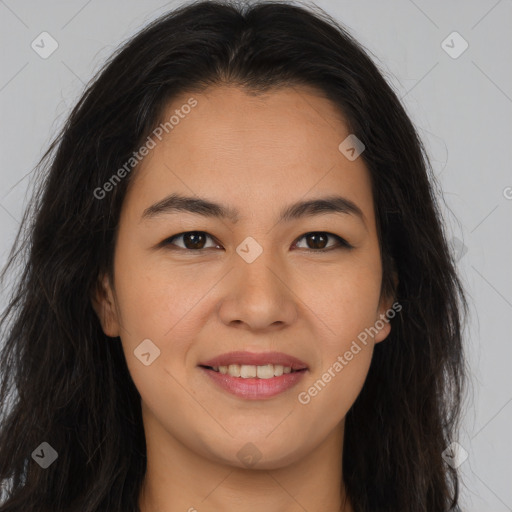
pixel 254 376
pixel 246 371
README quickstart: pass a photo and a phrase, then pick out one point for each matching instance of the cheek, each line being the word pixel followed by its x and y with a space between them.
pixel 163 308
pixel 346 299
pixel 160 304
pixel 346 302
pixel 348 311
pixel 155 299
pixel 328 396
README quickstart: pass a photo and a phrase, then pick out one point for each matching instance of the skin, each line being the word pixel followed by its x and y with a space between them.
pixel 256 154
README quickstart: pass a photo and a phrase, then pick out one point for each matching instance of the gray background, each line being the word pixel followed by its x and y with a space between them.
pixel 462 107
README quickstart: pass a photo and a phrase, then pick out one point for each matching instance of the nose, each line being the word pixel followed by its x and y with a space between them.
pixel 258 296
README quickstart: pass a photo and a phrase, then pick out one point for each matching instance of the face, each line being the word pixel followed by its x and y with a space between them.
pixel 199 285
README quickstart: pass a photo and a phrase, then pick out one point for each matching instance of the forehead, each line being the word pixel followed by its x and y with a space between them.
pixel 236 146
pixel 287 123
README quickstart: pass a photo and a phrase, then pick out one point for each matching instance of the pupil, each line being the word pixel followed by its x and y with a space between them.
pixel 195 243
pixel 316 237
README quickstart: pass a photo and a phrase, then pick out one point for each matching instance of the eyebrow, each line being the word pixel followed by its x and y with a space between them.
pixel 175 203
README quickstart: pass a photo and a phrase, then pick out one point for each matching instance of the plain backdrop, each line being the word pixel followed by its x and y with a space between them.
pixel 459 98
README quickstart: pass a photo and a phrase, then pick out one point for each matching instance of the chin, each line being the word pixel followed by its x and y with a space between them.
pixel 257 455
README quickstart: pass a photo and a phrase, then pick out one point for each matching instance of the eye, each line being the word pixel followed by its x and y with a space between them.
pixel 195 241
pixel 319 238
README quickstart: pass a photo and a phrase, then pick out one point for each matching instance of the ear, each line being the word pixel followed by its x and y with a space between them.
pixel 104 304
pixel 386 311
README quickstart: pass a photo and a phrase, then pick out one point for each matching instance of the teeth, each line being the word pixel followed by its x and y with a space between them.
pixel 265 372
pixel 246 371
pixel 234 370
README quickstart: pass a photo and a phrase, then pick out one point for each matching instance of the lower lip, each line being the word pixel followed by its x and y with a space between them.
pixel 255 389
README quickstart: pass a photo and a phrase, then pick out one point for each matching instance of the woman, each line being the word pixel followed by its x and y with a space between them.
pixel 237 288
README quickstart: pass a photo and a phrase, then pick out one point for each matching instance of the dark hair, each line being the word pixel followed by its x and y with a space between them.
pixel 70 382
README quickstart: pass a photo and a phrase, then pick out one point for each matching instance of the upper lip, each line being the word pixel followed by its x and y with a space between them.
pixel 256 359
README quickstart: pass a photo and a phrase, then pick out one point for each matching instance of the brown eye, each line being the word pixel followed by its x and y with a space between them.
pixel 192 240
pixel 317 241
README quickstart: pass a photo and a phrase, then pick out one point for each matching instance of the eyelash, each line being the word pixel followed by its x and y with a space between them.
pixel 342 243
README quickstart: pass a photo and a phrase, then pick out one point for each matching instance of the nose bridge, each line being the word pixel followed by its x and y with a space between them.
pixel 258 268
pixel 258 295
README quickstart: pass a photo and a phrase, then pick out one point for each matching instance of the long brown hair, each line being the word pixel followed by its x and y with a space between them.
pixel 65 383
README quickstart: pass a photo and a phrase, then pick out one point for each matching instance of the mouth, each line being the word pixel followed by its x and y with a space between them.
pixel 254 376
